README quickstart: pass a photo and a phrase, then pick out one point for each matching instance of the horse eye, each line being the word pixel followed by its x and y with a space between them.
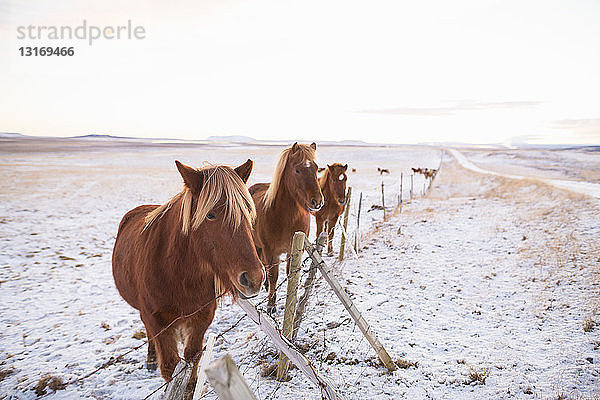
pixel 297 171
pixel 211 216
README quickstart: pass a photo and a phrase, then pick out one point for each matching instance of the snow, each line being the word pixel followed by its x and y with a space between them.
pixel 588 188
pixel 483 274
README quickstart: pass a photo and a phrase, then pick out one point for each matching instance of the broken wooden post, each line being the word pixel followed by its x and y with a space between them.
pixel 179 381
pixel 308 285
pixel 290 301
pixel 227 380
pixel 204 360
pixel 383 200
pixel 268 327
pixel 327 273
pixel 357 232
pixel 346 212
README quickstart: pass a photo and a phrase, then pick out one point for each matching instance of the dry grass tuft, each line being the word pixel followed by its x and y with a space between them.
pixel 477 377
pixel 268 370
pixel 405 364
pixel 6 372
pixel 589 325
pixel 49 381
pixel 139 335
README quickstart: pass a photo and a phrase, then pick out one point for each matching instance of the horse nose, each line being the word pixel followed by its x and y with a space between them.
pixel 244 279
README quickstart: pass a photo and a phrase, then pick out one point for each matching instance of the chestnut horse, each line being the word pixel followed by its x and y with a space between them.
pixel 333 186
pixel 283 207
pixel 173 262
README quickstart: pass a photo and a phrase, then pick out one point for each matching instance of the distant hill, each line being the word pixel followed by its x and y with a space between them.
pixel 104 137
pixel 10 135
pixel 231 139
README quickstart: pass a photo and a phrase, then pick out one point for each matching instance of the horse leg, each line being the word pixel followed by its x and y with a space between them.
pixel 331 233
pixel 320 222
pixel 165 342
pixel 195 330
pixel 151 363
pixel 272 277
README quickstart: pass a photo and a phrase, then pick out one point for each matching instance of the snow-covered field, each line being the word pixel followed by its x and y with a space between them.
pixel 490 285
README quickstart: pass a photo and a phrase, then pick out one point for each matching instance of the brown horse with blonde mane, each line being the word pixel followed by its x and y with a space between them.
pixel 283 207
pixel 333 186
pixel 173 262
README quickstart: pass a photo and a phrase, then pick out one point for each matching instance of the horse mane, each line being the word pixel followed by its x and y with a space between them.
pixel 220 181
pixel 305 151
pixel 323 179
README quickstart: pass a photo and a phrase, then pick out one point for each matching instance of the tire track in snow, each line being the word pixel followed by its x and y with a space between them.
pixel 587 188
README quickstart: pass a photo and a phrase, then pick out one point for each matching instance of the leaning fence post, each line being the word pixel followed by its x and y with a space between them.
pixel 204 360
pixel 227 381
pixel 346 212
pixel 357 233
pixel 360 321
pixel 181 376
pixel 383 200
pixel 290 302
pixel 266 325
pixel 308 285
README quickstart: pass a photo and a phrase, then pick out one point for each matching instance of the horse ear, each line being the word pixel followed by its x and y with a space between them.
pixel 191 177
pixel 329 166
pixel 295 147
pixel 244 170
pixel 345 167
pixel 313 145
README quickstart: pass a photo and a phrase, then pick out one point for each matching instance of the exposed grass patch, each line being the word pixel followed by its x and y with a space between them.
pixel 589 325
pixel 405 364
pixel 4 372
pixel 477 377
pixel 51 382
pixel 139 335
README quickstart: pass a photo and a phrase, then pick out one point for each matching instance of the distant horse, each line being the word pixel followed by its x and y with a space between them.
pixel 333 186
pixel 283 207
pixel 383 171
pixel 353 169
pixel 429 173
pixel 173 262
pixel 417 170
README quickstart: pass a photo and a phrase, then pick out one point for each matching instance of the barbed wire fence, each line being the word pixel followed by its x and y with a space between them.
pixel 319 346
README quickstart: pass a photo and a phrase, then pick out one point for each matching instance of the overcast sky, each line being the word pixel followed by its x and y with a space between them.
pixel 381 71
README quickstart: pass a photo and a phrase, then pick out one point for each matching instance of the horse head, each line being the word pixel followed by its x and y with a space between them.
pixel 219 212
pixel 337 181
pixel 300 176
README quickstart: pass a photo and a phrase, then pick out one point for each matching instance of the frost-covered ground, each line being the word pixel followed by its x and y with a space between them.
pixel 486 275
pixel 576 164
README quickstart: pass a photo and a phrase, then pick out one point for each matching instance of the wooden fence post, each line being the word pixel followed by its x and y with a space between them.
pixel 357 233
pixel 179 381
pixel 401 189
pixel 227 381
pixel 204 360
pixel 346 212
pixel 268 327
pixel 383 200
pixel 411 185
pixel 290 302
pixel 308 285
pixel 327 273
